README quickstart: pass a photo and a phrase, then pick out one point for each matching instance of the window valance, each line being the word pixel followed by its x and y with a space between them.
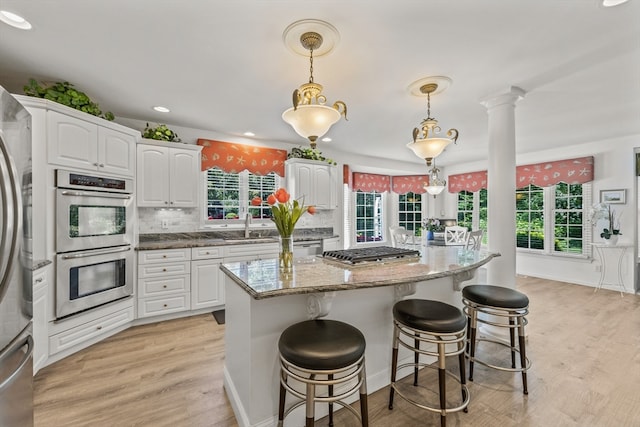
pixel 569 171
pixel 409 183
pixel 371 182
pixel 233 158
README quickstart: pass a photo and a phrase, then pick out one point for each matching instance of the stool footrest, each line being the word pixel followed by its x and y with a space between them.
pixel 526 367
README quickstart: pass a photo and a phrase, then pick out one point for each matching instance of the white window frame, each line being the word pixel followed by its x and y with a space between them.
pixel 243 203
pixel 384 226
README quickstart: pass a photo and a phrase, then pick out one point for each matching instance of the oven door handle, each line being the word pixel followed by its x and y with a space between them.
pixel 90 194
pixel 95 252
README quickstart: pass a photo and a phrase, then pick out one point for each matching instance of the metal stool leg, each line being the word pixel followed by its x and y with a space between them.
pixel 442 382
pixel 330 376
pixel 472 349
pixel 283 394
pixel 523 354
pixel 416 359
pixel 364 407
pixel 512 340
pixel 310 405
pixel 463 379
pixel 394 365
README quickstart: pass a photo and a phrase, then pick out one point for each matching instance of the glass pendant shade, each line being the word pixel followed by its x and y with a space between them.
pixel 434 189
pixel 429 148
pixel 311 121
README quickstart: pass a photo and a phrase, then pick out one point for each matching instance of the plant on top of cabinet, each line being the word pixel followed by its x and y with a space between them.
pixel 309 154
pixel 160 133
pixel 64 93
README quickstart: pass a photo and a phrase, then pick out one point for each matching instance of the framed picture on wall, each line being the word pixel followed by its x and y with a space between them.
pixel 613 196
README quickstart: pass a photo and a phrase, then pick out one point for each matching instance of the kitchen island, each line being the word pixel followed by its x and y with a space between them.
pixel 261 302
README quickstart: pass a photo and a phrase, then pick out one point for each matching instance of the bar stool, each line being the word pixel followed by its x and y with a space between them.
pixel 506 308
pixel 419 321
pixel 322 353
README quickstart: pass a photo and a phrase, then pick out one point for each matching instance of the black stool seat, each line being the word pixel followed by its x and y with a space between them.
pixel 427 315
pixel 495 296
pixel 321 344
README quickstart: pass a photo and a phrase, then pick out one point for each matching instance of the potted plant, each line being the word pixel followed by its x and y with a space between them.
pixel 431 225
pixel 160 133
pixel 64 93
pixel 309 154
pixel 603 211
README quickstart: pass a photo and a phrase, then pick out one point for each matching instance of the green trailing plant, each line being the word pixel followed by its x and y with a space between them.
pixel 160 133
pixel 309 154
pixel 64 93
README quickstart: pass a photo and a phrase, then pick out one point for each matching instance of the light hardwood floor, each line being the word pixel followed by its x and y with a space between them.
pixel 584 346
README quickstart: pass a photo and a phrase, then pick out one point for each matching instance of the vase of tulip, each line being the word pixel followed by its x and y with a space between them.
pixel 285 213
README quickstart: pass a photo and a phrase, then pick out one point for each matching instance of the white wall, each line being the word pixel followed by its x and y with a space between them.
pixel 614 166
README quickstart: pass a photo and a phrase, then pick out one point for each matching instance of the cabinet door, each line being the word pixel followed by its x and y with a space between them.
pixel 324 186
pixel 72 142
pixel 206 288
pixel 184 169
pixel 116 152
pixel 304 184
pixel 153 176
pixel 40 323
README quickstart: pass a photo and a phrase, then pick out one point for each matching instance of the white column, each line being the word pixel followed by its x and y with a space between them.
pixel 501 177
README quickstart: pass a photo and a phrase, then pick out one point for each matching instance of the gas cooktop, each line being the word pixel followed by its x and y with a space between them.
pixel 377 253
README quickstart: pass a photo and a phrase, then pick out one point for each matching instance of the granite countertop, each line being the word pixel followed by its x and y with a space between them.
pixel 38 264
pixel 224 238
pixel 262 278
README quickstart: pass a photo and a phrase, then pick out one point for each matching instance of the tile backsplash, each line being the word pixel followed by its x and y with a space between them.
pixel 151 220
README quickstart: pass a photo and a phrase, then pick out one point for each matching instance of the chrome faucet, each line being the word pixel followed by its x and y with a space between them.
pixel 247 222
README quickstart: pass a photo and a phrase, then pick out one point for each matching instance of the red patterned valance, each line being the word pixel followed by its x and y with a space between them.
pixel 409 183
pixel 570 171
pixel 371 182
pixel 234 158
pixel 472 181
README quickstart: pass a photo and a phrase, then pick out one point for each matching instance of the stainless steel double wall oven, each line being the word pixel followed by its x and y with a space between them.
pixel 94 261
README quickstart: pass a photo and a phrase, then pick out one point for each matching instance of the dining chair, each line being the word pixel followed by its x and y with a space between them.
pixel 474 240
pixel 402 238
pixel 455 235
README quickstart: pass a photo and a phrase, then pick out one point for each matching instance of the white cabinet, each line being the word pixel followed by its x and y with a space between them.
pixel 82 144
pixel 207 282
pixel 167 175
pixel 40 318
pixel 164 282
pixel 315 181
pixel 330 244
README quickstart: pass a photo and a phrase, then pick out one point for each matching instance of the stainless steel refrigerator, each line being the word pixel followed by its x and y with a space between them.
pixel 16 342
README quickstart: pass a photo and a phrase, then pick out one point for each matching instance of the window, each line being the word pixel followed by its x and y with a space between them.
pixel 530 217
pixel 410 212
pixel 568 218
pixel 228 194
pixel 368 216
pixel 472 211
pixel 465 209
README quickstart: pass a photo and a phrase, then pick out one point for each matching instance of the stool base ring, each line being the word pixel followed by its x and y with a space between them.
pixel 500 368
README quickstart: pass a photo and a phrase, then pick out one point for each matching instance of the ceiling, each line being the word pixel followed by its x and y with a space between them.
pixel 222 66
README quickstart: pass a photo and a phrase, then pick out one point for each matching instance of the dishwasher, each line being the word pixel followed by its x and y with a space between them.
pixel 305 248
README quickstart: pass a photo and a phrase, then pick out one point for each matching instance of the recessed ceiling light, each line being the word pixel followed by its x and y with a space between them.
pixel 161 109
pixel 14 20
pixel 249 134
pixel 611 3
pixel 326 139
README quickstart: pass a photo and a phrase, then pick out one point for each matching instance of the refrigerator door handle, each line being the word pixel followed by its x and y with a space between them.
pixel 11 227
pixel 16 346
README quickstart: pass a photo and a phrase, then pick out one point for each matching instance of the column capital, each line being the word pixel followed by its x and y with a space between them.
pixel 510 96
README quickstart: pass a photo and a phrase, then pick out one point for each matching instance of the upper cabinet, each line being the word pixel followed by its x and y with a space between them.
pixel 315 181
pixel 168 174
pixel 81 144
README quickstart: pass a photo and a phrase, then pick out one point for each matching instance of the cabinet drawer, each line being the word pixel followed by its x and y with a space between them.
pixel 84 332
pixel 156 306
pixel 163 286
pixel 206 252
pixel 251 250
pixel 163 270
pixel 164 255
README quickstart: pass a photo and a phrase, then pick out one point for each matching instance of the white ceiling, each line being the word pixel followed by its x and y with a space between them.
pixel 222 66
